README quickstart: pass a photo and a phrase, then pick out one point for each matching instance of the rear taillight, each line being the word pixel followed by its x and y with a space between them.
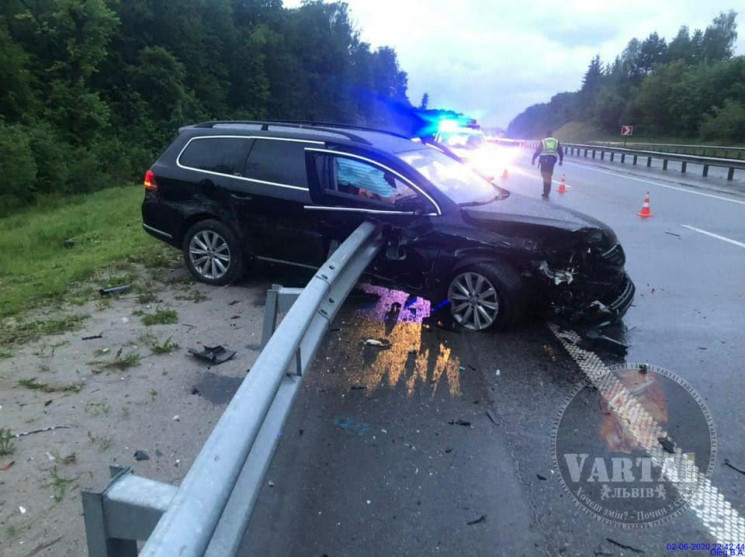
pixel 150 183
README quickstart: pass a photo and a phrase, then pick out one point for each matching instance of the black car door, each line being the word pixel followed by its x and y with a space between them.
pixel 272 214
pixel 348 188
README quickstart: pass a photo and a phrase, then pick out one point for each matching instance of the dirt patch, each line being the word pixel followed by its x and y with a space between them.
pixel 129 387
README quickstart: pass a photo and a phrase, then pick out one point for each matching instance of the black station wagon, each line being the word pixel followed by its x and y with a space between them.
pixel 234 194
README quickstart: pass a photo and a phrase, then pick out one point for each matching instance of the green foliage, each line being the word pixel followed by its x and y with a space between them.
pixel 7 446
pixel 17 167
pixel 36 267
pixel 160 317
pixel 728 122
pixel 26 331
pixel 691 87
pixel 93 90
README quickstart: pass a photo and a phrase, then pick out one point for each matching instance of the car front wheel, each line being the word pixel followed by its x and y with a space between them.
pixel 212 253
pixel 486 295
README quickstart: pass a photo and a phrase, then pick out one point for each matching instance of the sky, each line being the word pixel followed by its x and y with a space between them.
pixel 491 59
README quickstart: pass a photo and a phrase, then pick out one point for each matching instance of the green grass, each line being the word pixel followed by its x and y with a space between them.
pixel 192 296
pixel 165 347
pixel 37 269
pixel 26 331
pixel 121 362
pixel 7 446
pixel 582 132
pixel 160 317
pixel 61 486
pixel 44 387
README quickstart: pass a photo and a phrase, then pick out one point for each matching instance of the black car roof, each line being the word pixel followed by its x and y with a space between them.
pixel 337 133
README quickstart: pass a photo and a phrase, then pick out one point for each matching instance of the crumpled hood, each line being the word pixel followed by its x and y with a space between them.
pixel 523 211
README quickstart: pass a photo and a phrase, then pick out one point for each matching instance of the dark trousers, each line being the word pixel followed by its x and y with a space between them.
pixel 546 164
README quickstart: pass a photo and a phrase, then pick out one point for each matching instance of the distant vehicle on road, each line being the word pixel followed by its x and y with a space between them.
pixel 232 195
pixel 471 146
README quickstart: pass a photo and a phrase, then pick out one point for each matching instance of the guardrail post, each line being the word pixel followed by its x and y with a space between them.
pixel 602 155
pixel 649 162
pixel 706 170
pixel 623 157
pixel 730 174
pixel 593 153
pixel 127 510
pixel 585 153
pixel 635 157
pixel 683 166
pixel 664 164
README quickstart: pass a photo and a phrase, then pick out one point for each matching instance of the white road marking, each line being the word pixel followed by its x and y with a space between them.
pixel 717 236
pixel 685 190
pixel 722 521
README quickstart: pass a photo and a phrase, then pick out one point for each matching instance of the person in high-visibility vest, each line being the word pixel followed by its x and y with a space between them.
pixel 549 150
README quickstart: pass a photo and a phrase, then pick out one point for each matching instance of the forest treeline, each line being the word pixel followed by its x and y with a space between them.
pixel 92 90
pixel 691 87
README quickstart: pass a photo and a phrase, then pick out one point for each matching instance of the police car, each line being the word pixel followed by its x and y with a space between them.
pixel 469 143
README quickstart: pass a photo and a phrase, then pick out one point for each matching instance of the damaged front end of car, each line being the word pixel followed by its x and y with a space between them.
pixel 587 284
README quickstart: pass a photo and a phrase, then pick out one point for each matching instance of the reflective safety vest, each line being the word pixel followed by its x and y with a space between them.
pixel 550 146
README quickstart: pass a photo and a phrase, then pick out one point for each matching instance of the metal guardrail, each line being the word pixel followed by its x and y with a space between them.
pixel 677 148
pixel 685 160
pixel 209 512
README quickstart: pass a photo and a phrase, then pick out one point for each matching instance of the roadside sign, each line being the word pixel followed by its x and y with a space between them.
pixel 627 130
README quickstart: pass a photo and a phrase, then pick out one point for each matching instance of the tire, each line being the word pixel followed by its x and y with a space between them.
pixel 212 253
pixel 485 295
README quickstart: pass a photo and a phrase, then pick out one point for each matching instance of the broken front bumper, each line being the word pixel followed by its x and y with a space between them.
pixel 593 303
pixel 623 302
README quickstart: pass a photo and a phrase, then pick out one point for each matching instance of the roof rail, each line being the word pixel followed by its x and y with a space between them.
pixel 304 124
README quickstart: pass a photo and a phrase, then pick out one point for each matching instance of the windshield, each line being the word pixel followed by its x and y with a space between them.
pixel 461 139
pixel 454 179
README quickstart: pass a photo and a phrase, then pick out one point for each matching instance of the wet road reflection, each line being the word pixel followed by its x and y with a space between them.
pixel 416 359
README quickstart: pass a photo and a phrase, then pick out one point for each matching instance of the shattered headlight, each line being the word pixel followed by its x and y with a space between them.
pixel 594 237
pixel 563 276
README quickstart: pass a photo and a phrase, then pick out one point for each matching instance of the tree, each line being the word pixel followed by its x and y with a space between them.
pixel 631 61
pixel 719 37
pixel 728 122
pixel 681 47
pixel 652 51
pixel 593 76
pixel 425 101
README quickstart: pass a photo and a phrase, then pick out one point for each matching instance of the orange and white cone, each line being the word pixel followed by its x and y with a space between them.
pixel 563 184
pixel 505 174
pixel 646 212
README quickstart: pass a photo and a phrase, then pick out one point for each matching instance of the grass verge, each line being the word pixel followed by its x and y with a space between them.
pixel 48 248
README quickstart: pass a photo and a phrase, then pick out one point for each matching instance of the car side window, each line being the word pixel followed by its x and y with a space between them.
pixel 224 155
pixel 359 178
pixel 278 161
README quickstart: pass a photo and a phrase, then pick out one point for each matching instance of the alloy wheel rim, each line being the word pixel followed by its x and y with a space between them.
pixel 474 303
pixel 209 254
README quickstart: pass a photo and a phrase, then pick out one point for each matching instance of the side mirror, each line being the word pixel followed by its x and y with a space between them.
pixel 414 204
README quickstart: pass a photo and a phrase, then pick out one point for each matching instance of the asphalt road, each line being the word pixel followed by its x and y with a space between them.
pixel 441 444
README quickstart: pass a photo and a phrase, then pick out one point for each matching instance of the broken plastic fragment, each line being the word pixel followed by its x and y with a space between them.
pixel 460 422
pixel 380 343
pixel 213 354
pixel 115 291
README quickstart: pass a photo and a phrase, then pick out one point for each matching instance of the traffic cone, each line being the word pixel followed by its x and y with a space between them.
pixel 505 174
pixel 646 212
pixel 563 184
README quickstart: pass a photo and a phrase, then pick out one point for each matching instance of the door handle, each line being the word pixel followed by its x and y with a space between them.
pixel 241 197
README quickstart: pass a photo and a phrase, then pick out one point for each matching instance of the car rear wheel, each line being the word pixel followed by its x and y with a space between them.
pixel 212 253
pixel 486 295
